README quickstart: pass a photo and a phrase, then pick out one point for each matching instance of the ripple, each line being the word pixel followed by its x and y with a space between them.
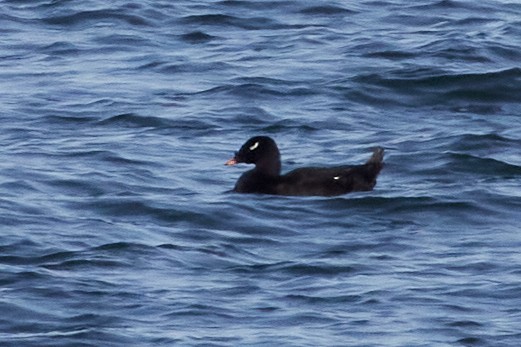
pixel 197 37
pixel 483 141
pixel 326 10
pixel 62 48
pixel 471 341
pixel 483 166
pixel 83 17
pixel 438 88
pixel 258 5
pixel 134 120
pixel 246 23
pixel 465 323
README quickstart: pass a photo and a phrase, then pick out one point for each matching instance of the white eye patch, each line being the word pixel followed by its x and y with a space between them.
pixel 254 146
pixel 336 177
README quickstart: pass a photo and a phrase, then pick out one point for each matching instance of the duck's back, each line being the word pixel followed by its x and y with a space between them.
pixel 332 181
pixel 325 181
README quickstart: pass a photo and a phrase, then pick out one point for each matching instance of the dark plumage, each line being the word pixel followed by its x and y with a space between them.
pixel 265 178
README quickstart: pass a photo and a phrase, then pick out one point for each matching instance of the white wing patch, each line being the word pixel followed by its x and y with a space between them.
pixel 336 177
pixel 254 146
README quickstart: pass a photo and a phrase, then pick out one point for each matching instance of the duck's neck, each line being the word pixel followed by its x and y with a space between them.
pixel 269 166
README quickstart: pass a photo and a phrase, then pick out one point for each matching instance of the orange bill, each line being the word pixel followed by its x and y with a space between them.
pixel 232 161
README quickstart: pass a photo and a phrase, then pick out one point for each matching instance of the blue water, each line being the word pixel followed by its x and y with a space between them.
pixel 116 228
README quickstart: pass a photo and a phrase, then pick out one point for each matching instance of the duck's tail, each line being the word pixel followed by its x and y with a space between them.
pixel 375 164
pixel 363 177
pixel 377 157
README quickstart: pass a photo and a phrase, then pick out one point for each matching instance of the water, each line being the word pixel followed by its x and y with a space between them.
pixel 117 118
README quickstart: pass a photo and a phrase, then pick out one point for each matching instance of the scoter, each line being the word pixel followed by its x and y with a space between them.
pixel 265 178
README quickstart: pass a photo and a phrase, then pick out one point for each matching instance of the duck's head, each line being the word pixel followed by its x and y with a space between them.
pixel 261 151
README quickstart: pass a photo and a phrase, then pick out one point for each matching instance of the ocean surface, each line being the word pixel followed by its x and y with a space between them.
pixel 117 227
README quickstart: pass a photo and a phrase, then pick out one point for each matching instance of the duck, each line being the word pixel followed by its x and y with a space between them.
pixel 266 178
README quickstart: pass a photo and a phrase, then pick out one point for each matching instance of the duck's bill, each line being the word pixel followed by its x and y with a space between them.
pixel 230 162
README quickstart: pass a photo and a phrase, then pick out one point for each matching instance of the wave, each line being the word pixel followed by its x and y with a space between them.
pixel 427 86
pixel 255 4
pixel 197 37
pixel 489 142
pixel 477 165
pixel 62 48
pixel 327 10
pixel 83 17
pixel 165 67
pixel 255 23
pixel 258 90
pixel 245 23
pixel 132 120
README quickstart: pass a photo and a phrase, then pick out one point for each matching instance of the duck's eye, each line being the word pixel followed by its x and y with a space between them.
pixel 254 146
